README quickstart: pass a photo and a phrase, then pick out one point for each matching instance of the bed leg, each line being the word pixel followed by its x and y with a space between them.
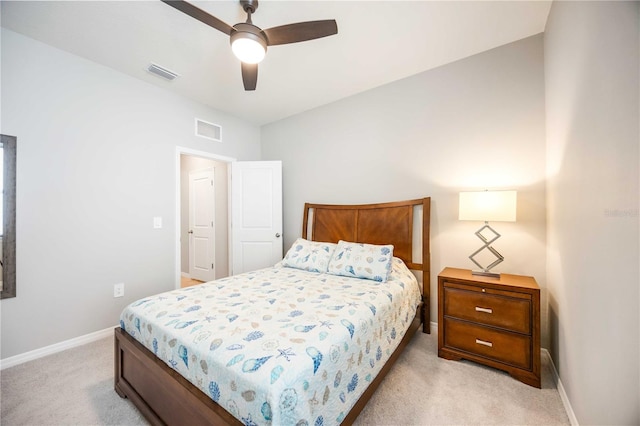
pixel 426 317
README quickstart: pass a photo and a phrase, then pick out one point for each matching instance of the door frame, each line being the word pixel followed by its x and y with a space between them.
pixel 180 150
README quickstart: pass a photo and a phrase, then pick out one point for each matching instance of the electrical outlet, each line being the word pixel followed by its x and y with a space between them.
pixel 157 222
pixel 118 290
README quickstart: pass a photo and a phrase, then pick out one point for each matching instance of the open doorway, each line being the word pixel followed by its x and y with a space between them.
pixel 203 217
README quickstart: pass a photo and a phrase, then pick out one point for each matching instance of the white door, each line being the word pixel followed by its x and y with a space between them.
pixel 201 225
pixel 256 215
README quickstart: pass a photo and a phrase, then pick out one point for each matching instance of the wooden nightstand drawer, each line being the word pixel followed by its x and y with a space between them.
pixel 471 304
pixel 510 348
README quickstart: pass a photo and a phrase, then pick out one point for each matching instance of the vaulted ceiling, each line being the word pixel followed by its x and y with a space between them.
pixel 377 42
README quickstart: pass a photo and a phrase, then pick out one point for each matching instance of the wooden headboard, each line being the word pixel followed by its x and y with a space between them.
pixel 383 223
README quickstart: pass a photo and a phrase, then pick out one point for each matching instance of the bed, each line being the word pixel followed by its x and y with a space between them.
pixel 282 345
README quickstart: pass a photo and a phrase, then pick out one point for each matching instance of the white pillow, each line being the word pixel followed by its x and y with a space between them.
pixel 369 261
pixel 312 256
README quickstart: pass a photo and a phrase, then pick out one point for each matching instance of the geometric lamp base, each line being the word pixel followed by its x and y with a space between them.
pixel 485 270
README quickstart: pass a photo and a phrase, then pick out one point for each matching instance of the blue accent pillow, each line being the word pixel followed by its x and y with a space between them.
pixel 312 256
pixel 369 261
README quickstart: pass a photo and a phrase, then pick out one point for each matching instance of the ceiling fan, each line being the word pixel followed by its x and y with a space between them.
pixel 249 42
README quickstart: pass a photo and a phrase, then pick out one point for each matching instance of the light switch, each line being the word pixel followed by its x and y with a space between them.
pixel 157 222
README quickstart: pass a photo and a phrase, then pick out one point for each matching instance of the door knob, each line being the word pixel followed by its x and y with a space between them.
pixel 277 235
pixel 190 231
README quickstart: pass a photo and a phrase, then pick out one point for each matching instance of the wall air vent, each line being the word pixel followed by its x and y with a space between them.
pixel 162 72
pixel 207 130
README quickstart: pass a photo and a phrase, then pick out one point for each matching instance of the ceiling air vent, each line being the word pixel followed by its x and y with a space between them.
pixel 207 130
pixel 162 72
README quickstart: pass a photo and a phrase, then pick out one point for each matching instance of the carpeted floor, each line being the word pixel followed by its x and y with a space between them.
pixel 75 387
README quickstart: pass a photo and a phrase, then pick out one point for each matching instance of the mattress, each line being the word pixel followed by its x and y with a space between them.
pixel 279 345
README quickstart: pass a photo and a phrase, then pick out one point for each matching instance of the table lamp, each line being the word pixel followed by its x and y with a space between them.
pixel 494 206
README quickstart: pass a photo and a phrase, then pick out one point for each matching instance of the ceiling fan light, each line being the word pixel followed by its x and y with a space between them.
pixel 248 50
pixel 248 43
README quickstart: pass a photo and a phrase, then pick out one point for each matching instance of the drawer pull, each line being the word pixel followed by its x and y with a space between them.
pixel 484 343
pixel 485 310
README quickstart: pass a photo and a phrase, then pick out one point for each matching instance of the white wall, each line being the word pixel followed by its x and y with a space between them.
pixel 592 91
pixel 474 124
pixel 189 163
pixel 96 162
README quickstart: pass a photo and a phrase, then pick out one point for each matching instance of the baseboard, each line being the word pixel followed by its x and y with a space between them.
pixel 434 327
pixel 185 275
pixel 57 347
pixel 563 394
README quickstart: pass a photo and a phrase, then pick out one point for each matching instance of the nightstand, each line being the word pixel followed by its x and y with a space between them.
pixel 492 321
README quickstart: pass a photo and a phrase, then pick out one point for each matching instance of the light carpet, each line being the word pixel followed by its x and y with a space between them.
pixel 75 387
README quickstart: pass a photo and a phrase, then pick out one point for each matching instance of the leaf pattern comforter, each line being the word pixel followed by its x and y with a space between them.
pixel 279 345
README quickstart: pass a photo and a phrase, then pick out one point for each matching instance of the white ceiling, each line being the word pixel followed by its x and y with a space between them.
pixel 377 42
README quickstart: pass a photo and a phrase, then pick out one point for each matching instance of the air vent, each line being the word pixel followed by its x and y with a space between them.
pixel 162 72
pixel 207 130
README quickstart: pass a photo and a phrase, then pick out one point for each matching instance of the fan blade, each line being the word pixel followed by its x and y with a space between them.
pixel 200 15
pixel 249 76
pixel 302 31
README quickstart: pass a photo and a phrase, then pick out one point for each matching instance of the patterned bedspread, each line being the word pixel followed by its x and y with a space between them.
pixel 279 345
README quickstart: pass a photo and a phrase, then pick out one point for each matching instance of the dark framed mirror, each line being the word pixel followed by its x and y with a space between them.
pixel 8 152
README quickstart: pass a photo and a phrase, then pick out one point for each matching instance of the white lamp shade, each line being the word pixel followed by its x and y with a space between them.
pixel 488 206
pixel 248 51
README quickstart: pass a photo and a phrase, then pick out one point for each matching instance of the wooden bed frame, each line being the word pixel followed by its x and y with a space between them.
pixel 165 397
